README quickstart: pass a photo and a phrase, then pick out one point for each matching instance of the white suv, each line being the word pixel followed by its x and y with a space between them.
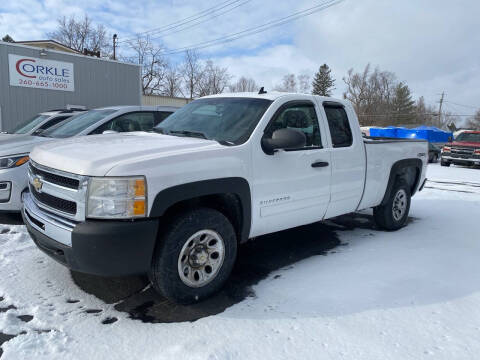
pixel 15 150
pixel 41 122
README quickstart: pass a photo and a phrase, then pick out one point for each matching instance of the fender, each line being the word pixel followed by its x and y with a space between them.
pixel 232 185
pixel 397 169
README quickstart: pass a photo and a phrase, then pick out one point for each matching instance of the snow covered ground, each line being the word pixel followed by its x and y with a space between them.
pixel 410 294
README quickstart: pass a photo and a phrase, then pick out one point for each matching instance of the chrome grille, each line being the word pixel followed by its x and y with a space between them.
pixel 55 178
pixel 58 192
pixel 54 202
pixel 462 151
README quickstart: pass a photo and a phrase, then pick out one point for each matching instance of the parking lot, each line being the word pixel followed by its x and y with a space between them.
pixel 333 290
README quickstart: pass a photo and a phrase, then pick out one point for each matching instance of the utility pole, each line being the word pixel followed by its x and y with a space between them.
pixel 440 109
pixel 114 46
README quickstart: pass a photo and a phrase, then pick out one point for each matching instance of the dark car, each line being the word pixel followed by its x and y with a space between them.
pixel 433 153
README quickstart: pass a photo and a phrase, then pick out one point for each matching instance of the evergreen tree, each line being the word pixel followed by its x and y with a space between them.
pixel 403 107
pixel 323 83
pixel 8 38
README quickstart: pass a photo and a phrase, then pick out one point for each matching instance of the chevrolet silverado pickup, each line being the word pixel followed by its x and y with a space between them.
pixel 177 203
pixel 465 150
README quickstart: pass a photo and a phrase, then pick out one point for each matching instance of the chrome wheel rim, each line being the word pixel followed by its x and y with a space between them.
pixel 399 205
pixel 201 258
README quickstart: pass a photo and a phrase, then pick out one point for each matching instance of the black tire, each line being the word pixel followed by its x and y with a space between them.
pixel 164 274
pixel 444 163
pixel 435 158
pixel 384 214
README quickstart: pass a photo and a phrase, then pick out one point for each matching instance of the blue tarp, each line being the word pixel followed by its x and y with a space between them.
pixel 430 133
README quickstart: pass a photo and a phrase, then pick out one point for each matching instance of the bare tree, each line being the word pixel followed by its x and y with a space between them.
pixel 474 122
pixel 191 72
pixel 173 81
pixel 154 66
pixel 82 34
pixel 244 85
pixel 288 84
pixel 214 79
pixel 372 94
pixel 303 83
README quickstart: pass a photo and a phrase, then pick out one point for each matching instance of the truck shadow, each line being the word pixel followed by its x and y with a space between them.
pixel 11 219
pixel 256 261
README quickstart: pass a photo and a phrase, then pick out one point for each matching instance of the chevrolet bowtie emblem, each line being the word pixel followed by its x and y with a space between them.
pixel 37 184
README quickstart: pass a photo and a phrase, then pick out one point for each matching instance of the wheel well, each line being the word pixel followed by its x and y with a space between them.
pixel 411 175
pixel 228 204
pixel 408 170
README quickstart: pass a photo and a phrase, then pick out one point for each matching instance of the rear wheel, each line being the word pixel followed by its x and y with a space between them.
pixel 435 158
pixel 195 256
pixel 444 163
pixel 394 214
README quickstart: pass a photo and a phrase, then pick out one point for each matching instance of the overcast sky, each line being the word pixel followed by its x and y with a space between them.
pixel 433 45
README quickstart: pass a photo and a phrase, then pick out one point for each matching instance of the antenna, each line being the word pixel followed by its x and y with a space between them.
pixel 262 91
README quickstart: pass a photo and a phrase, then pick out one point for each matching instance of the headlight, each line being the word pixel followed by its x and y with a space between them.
pixel 13 161
pixel 117 198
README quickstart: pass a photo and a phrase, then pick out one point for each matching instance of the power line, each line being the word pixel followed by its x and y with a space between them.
pixel 187 20
pixel 468 106
pixel 169 33
pixel 256 29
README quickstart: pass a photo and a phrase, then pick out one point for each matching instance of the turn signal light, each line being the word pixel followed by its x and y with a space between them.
pixel 447 148
pixel 139 207
pixel 22 160
pixel 139 187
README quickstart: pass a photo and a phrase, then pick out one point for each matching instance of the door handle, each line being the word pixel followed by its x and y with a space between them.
pixel 319 164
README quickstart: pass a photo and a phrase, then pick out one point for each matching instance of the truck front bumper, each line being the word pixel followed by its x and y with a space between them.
pixel 106 248
pixel 460 160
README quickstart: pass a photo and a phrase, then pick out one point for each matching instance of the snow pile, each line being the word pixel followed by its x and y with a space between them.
pixel 410 294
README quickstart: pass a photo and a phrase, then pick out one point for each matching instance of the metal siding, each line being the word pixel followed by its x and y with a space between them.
pixel 155 100
pixel 98 83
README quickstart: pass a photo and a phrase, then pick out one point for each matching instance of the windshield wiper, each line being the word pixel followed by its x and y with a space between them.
pixel 196 134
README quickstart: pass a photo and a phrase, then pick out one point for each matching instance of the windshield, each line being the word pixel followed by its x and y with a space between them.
pixel 29 125
pixel 227 120
pixel 468 137
pixel 76 124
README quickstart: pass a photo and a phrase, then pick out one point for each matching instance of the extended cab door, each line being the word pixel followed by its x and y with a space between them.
pixel 348 162
pixel 292 187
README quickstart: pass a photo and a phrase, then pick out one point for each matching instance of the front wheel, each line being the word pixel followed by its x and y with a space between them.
pixel 444 163
pixel 195 256
pixel 394 214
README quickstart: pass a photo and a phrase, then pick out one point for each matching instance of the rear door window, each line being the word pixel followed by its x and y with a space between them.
pixel 339 126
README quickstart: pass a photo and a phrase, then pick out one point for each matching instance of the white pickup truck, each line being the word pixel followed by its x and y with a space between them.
pixel 224 169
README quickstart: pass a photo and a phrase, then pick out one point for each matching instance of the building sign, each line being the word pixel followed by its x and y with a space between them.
pixel 37 73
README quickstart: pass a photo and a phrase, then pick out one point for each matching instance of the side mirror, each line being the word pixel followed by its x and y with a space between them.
pixel 106 132
pixel 284 139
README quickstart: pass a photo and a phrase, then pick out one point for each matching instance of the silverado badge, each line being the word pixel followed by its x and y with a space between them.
pixel 37 184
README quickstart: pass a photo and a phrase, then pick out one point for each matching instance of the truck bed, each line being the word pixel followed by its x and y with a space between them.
pixel 381 155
